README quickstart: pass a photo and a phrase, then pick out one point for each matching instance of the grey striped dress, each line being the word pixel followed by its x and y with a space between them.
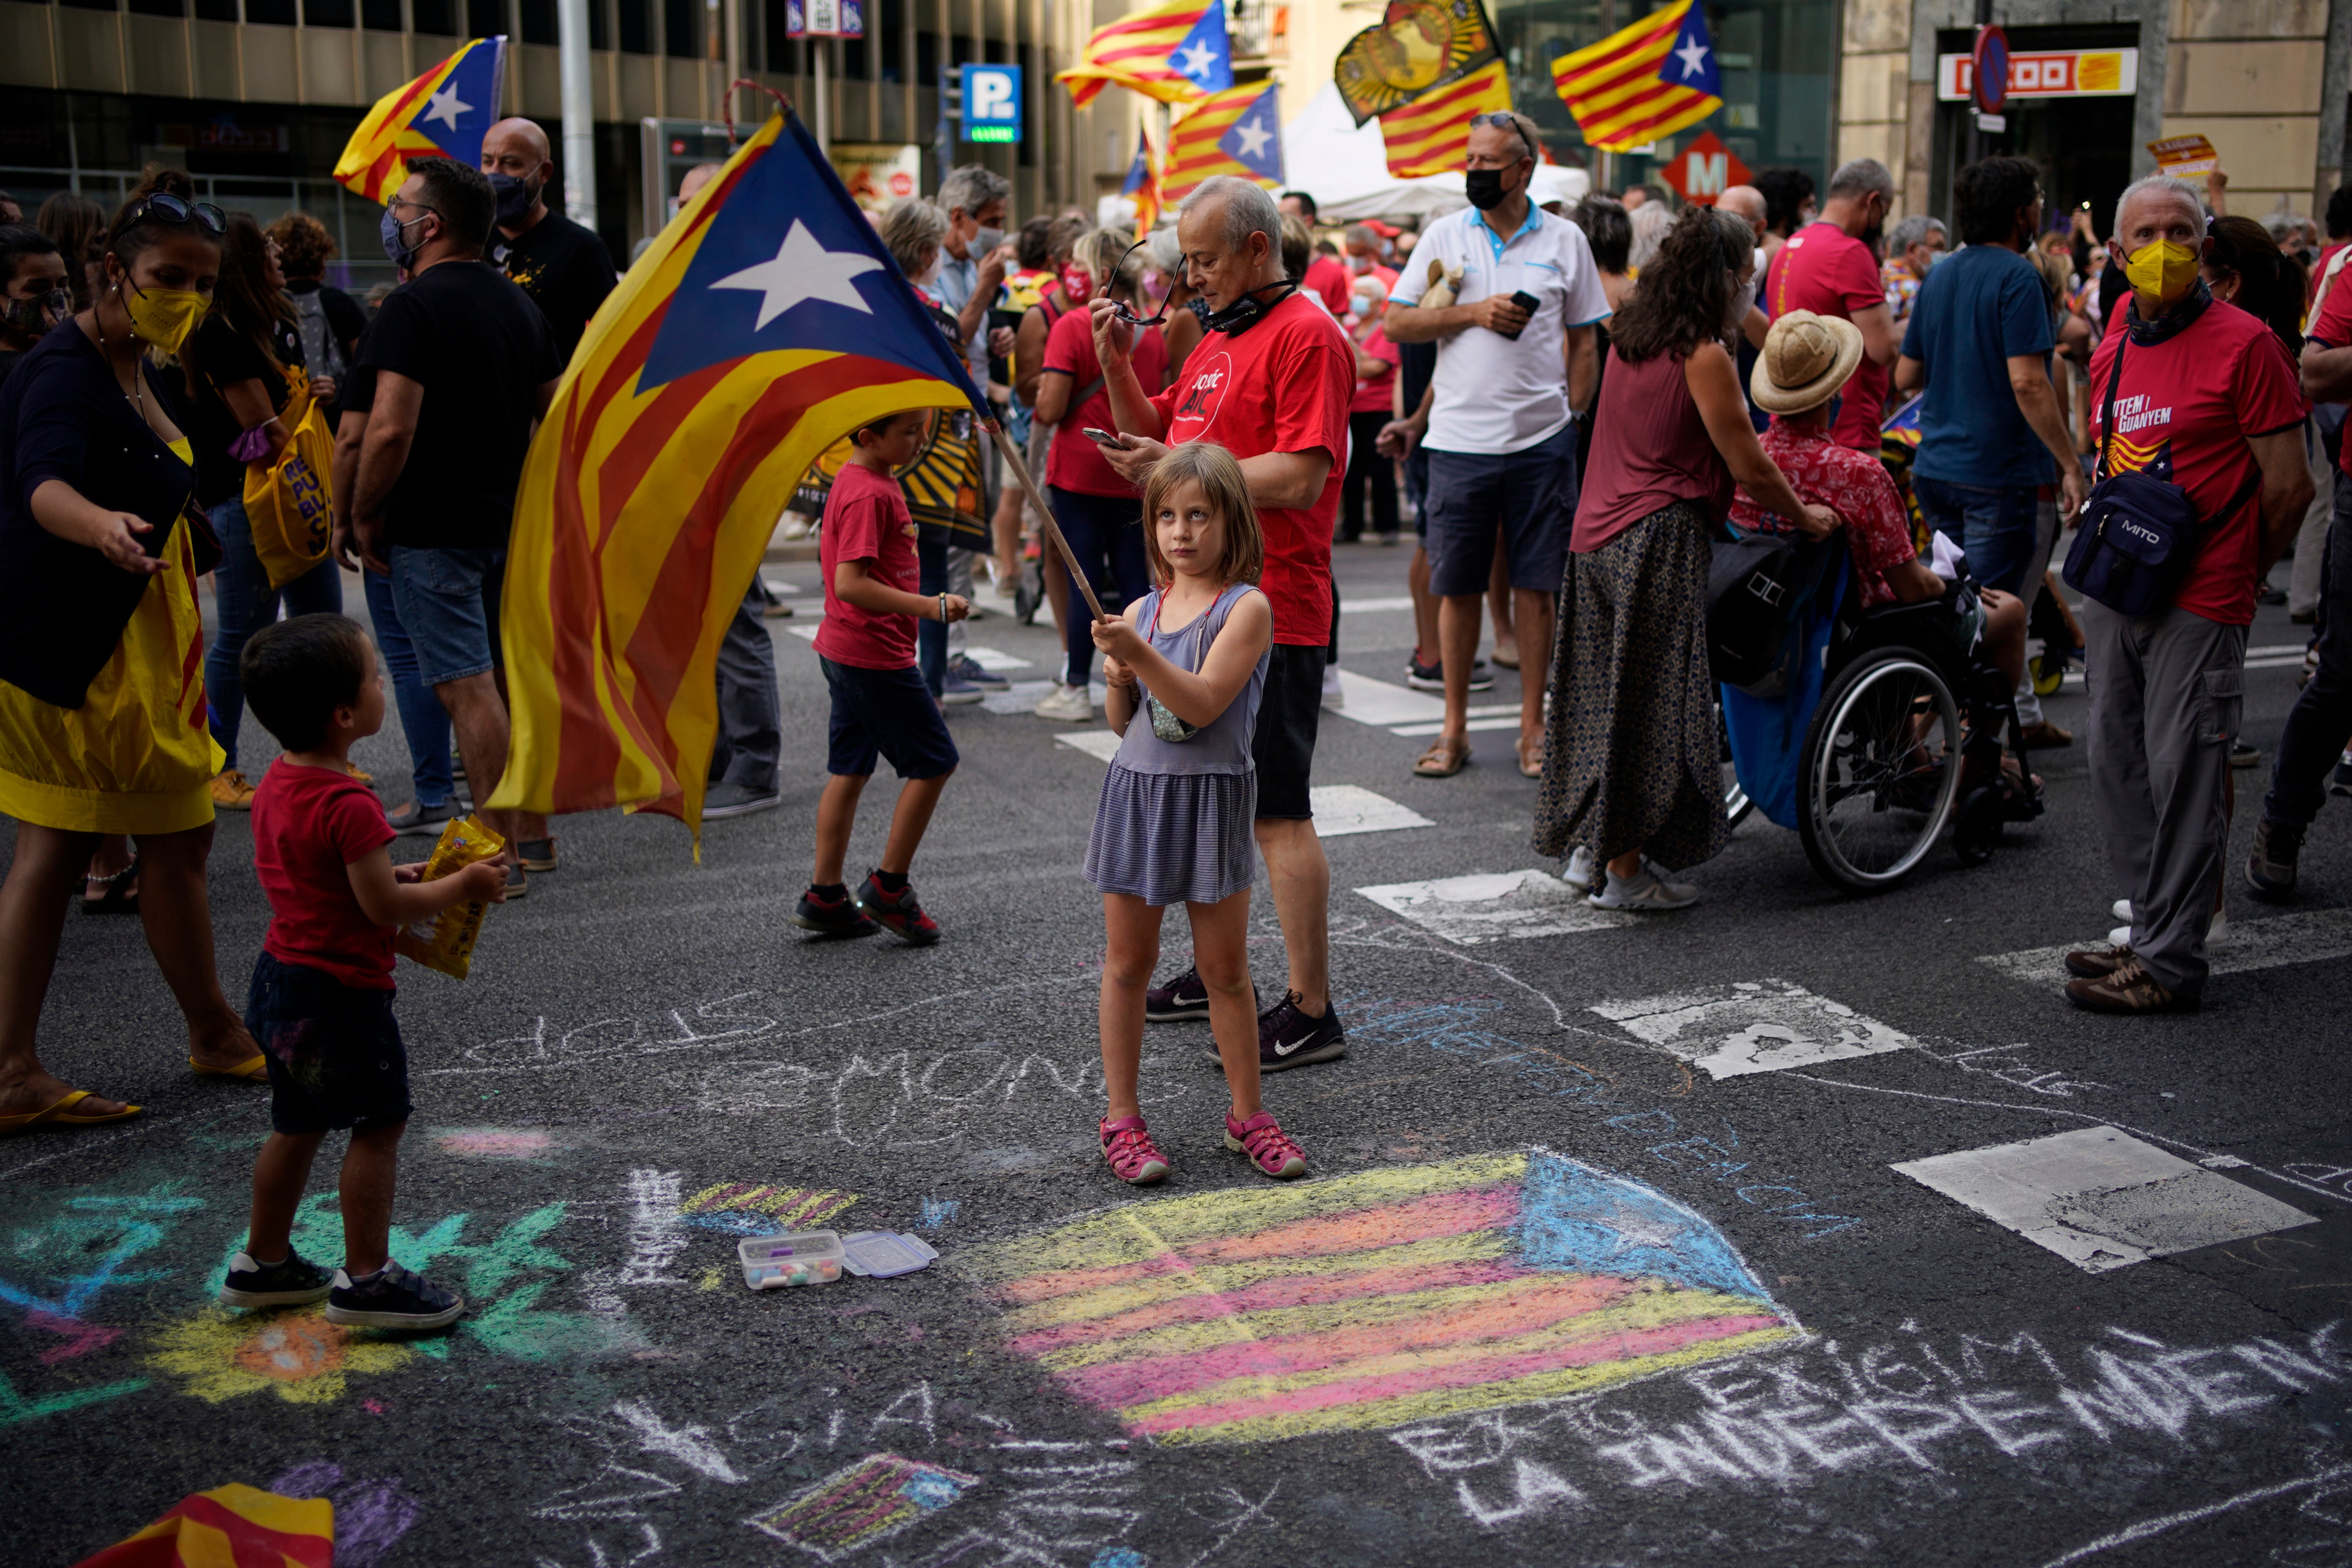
pixel 1175 821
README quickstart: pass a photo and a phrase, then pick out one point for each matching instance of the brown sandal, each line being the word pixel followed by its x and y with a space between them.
pixel 1531 767
pixel 1442 761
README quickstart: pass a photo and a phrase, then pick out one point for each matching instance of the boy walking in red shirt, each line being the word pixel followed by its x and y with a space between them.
pixel 321 999
pixel 880 705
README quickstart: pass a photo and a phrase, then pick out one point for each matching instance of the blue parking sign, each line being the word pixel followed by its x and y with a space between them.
pixel 991 103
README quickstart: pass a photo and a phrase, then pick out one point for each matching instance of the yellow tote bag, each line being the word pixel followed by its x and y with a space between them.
pixel 289 505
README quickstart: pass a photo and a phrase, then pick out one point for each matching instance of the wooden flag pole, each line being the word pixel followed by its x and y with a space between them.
pixel 1020 471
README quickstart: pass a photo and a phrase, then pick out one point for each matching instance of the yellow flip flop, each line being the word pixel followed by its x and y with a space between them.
pixel 255 1068
pixel 26 1122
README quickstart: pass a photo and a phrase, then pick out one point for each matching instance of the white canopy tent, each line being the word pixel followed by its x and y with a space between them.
pixel 1344 167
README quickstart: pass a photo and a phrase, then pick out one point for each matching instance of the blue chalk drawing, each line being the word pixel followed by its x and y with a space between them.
pixel 1120 1557
pixel 930 1488
pixel 938 1212
pixel 1576 1218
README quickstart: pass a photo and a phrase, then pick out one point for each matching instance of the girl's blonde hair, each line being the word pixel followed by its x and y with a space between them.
pixel 1220 478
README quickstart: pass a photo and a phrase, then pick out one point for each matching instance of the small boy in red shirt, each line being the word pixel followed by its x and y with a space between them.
pixel 321 999
pixel 880 705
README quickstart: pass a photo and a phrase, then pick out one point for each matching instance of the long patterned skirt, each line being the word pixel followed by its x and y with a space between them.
pixel 1633 757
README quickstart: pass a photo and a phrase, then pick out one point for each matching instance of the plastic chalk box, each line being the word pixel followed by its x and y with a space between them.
pixel 885 1254
pixel 771 1262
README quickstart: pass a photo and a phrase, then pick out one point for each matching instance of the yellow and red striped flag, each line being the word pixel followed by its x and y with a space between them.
pixel 1431 135
pixel 441 114
pixel 1175 52
pixel 1238 131
pixel 1143 185
pixel 1645 81
pixel 230 1524
pixel 765 323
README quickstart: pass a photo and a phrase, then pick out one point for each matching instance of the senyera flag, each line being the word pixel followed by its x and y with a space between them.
pixel 1641 82
pixel 1175 52
pixel 1431 135
pixel 1142 186
pixel 441 114
pixel 765 322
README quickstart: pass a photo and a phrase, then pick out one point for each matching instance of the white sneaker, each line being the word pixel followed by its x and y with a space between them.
pixel 2121 910
pixel 1645 890
pixel 1579 874
pixel 1072 704
pixel 1334 694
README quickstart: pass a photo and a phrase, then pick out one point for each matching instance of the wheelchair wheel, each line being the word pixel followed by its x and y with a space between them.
pixel 1880 770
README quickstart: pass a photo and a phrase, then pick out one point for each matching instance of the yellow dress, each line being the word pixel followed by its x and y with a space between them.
pixel 138 755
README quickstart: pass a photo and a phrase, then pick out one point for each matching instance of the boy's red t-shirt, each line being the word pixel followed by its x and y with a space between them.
pixel 309 824
pixel 866 519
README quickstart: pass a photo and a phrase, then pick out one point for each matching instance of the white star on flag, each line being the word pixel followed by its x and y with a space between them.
pixel 803 270
pixel 1693 54
pixel 445 107
pixel 1255 136
pixel 1197 58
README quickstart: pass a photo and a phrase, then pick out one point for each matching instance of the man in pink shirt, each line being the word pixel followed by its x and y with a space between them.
pixel 1829 266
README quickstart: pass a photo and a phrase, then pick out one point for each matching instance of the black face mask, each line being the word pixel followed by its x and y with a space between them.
pixel 1872 236
pixel 1485 188
pixel 1245 312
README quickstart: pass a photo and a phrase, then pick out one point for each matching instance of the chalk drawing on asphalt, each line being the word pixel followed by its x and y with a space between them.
pixel 371 1513
pixel 297 1355
pixel 1752 1026
pixel 495 1143
pixel 1495 907
pixel 859 1504
pixel 1375 1300
pixel 748 1208
pixel 2101 1199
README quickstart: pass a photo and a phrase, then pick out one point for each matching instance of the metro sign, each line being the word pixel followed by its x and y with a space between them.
pixel 2053 73
pixel 1704 170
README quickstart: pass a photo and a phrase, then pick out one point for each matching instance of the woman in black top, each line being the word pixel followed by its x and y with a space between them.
pixel 247 389
pixel 101 703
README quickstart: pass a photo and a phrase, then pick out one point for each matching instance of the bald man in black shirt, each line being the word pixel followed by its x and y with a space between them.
pixel 561 265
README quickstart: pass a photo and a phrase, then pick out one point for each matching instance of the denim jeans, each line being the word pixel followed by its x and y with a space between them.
pixel 751 722
pixel 423 721
pixel 931 637
pixel 1105 533
pixel 246 602
pixel 1993 524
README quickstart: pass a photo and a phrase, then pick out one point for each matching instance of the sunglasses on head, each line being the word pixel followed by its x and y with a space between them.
pixel 1129 316
pixel 165 208
pixel 1501 120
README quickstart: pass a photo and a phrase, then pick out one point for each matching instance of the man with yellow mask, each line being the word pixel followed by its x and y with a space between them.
pixel 2203 398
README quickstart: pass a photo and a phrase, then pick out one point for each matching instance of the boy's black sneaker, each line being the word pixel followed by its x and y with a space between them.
pixel 1186 996
pixel 1431 676
pixel 898 911
pixel 292 1281
pixel 392 1298
pixel 832 917
pixel 1288 1037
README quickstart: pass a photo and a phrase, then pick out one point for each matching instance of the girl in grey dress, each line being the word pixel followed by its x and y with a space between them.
pixel 1186 666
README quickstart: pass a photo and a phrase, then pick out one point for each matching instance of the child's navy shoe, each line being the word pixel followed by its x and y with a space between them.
pixel 292 1281
pixel 392 1298
pixel 899 913
pixel 832 917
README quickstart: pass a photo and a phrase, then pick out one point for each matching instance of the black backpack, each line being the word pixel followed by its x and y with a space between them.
pixel 1758 592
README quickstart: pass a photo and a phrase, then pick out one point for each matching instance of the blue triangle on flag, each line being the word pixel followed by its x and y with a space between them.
pixel 1205 57
pixel 1691 63
pixel 458 112
pixel 1255 139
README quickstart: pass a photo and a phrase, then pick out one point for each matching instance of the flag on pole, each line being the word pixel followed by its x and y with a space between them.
pixel 441 114
pixel 1645 81
pixel 1431 135
pixel 1143 185
pixel 765 323
pixel 1238 131
pixel 1176 52
pixel 1417 47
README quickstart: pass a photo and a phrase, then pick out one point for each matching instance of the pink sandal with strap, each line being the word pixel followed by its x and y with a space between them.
pixel 1129 1150
pixel 1269 1148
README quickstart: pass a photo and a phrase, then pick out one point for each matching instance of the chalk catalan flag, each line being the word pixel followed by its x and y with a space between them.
pixel 1641 82
pixel 765 322
pixel 441 114
pixel 1431 135
pixel 1142 186
pixel 1238 131
pixel 1175 52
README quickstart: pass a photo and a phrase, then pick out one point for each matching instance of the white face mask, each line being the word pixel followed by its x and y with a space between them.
pixel 1743 300
pixel 931 275
pixel 1360 305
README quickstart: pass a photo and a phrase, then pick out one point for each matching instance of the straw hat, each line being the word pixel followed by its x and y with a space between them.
pixel 1806 359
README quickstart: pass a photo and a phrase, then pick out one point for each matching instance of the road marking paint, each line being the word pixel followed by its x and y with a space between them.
pixel 1342 809
pixel 777 586
pixel 2307 936
pixel 1099 744
pixel 2101 1199
pixel 807 632
pixel 1371 701
pixel 1750 1027
pixel 1366 606
pixel 1496 907
pixel 1021 697
pixel 995 658
pixel 1493 721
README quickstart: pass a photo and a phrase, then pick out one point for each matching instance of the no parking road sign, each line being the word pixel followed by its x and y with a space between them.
pixel 991 103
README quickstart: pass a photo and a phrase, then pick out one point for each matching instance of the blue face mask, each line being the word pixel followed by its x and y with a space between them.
pixel 515 196
pixel 396 248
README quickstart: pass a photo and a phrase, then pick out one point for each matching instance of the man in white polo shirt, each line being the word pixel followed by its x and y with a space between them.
pixel 1502 450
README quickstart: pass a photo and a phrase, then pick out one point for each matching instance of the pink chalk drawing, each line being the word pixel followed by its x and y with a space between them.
pixel 81 1338
pixel 493 1143
pixel 860 1504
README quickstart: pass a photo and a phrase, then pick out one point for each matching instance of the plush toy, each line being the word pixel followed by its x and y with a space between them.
pixel 1442 281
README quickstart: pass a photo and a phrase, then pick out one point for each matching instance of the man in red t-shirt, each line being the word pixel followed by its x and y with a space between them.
pixel 1828 267
pixel 1325 277
pixel 2205 399
pixel 1270 382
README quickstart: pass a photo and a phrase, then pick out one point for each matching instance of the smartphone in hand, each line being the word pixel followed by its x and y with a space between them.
pixel 1525 301
pixel 1101 437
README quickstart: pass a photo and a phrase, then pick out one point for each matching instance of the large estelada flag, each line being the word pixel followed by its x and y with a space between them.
pixel 1645 81
pixel 765 322
pixel 1420 47
pixel 441 114
pixel 232 1524
pixel 1431 135
pixel 1238 131
pixel 1175 52
pixel 1142 186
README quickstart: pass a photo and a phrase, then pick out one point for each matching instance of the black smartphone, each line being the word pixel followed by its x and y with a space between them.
pixel 1099 438
pixel 1525 301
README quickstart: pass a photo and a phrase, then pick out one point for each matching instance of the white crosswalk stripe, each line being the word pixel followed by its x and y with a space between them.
pixel 1752 1026
pixel 2306 936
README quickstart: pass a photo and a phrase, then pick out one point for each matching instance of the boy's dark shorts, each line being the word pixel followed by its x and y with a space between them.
pixel 889 712
pixel 1284 745
pixel 334 1052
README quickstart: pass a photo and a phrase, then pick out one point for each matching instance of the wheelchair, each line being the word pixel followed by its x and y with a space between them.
pixel 1908 737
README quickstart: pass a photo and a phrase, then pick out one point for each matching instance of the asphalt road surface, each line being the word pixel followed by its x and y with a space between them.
pixel 1784 1230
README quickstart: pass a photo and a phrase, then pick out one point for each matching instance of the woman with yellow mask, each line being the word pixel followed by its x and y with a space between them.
pixel 103 726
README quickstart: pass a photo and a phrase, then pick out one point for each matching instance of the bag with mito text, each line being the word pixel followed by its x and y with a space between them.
pixel 288 504
pixel 446 942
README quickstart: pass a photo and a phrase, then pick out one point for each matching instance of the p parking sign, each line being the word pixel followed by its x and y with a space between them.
pixel 991 103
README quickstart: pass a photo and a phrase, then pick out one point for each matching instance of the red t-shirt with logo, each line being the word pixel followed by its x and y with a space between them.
pixel 308 825
pixel 1283 386
pixel 1826 271
pixel 866 519
pixel 2185 409
pixel 2332 329
pixel 1074 462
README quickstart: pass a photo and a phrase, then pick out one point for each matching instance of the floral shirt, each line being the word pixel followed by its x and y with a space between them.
pixel 1852 484
pixel 1902 287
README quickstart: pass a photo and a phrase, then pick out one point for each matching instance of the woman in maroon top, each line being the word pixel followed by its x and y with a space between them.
pixel 1631 756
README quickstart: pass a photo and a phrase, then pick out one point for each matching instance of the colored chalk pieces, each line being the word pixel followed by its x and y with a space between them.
pixel 807 1257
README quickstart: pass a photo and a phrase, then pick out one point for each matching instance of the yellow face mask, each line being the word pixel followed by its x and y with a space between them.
pixel 164 318
pixel 2163 269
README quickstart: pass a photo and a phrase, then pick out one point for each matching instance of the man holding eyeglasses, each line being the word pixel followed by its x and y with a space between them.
pixel 1516 360
pixel 1270 382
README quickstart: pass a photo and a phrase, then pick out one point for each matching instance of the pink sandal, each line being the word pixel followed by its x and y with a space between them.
pixel 1268 1147
pixel 1130 1152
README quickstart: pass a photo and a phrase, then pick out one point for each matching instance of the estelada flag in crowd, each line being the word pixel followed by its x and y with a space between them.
pixel 1431 135
pixel 1238 131
pixel 1419 49
pixel 764 323
pixel 1175 52
pixel 229 1525
pixel 1143 185
pixel 1645 81
pixel 441 114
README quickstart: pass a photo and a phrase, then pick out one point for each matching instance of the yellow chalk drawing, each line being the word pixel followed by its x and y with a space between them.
pixel 297 1354
pixel 794 1207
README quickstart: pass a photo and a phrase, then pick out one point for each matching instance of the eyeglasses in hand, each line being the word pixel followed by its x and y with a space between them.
pixel 1130 317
